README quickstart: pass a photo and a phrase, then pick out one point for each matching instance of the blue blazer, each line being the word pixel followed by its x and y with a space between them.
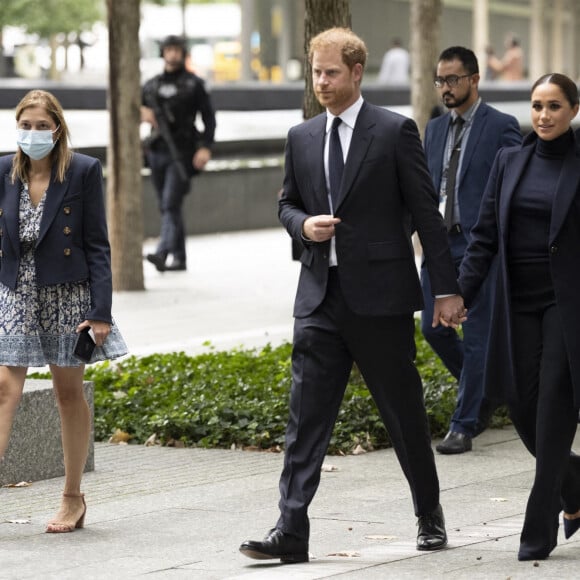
pixel 73 244
pixel 489 241
pixel 385 191
pixel 491 130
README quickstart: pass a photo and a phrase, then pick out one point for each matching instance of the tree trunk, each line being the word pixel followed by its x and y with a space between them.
pixel 124 160
pixel 425 31
pixel 318 16
pixel 184 18
pixel 53 73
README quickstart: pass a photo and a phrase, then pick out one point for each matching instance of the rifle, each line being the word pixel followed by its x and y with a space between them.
pixel 164 116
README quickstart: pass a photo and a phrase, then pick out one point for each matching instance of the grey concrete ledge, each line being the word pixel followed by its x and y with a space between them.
pixel 35 450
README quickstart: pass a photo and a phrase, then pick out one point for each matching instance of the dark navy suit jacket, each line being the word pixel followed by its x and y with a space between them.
pixel 386 191
pixel 489 239
pixel 73 244
pixel 490 131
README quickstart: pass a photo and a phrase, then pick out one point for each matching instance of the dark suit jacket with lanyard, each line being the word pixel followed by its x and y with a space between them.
pixel 490 130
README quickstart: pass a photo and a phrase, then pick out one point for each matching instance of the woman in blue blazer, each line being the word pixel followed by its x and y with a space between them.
pixel 529 222
pixel 55 281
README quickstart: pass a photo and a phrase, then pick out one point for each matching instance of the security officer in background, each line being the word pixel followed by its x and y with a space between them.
pixel 176 150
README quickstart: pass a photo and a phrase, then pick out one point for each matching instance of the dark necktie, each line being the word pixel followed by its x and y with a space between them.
pixel 335 162
pixel 452 173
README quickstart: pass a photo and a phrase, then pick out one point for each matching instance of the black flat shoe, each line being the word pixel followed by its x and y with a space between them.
pixel 289 549
pixel 432 534
pixel 158 260
pixel 454 443
pixel 571 527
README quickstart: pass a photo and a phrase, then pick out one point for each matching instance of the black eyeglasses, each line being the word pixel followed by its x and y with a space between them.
pixel 451 80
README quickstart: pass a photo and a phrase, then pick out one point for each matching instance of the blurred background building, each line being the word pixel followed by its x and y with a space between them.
pixel 248 40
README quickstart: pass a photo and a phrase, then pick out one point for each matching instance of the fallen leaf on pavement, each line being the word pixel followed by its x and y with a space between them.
pixel 328 467
pixel 151 440
pixel 119 437
pixel 18 521
pixel 346 554
pixel 21 484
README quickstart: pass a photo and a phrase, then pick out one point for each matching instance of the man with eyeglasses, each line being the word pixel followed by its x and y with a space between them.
pixel 460 147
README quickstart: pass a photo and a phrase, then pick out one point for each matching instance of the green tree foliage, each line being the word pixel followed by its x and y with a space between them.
pixel 12 12
pixel 52 17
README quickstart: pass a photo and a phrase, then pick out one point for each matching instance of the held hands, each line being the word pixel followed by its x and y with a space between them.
pixel 449 311
pixel 100 330
pixel 319 228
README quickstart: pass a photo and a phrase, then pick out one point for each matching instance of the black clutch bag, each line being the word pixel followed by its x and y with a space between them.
pixel 84 345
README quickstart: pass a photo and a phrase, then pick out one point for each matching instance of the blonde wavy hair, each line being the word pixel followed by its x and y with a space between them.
pixel 61 154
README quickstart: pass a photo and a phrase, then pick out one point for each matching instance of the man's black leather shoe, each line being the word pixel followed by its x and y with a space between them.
pixel 432 534
pixel 277 544
pixel 158 260
pixel 454 443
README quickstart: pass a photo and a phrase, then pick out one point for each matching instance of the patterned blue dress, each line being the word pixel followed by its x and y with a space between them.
pixel 38 324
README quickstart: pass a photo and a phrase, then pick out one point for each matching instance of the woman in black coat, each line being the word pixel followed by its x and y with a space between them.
pixel 530 223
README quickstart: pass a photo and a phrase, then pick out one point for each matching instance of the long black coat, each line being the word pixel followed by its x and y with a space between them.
pixel 489 243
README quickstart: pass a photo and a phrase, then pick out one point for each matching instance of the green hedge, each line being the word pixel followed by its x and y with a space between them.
pixel 240 397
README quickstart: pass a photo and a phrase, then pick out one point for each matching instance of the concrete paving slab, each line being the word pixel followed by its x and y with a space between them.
pixel 163 513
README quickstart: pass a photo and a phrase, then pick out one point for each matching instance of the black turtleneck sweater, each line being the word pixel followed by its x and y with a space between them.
pixel 529 226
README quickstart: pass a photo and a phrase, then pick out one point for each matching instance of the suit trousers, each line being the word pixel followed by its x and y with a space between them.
pixel 326 344
pixel 171 190
pixel 546 420
pixel 463 357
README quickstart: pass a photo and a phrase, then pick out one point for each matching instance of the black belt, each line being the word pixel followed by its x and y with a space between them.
pixel 455 229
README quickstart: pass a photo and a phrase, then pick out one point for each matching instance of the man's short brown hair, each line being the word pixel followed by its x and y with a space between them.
pixel 352 48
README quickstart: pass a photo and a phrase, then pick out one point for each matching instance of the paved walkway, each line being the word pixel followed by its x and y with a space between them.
pixel 238 290
pixel 164 513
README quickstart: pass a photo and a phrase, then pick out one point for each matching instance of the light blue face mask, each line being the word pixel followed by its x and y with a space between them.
pixel 36 144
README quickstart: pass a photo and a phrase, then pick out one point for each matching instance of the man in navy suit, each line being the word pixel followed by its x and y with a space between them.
pixel 355 180
pixel 460 147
